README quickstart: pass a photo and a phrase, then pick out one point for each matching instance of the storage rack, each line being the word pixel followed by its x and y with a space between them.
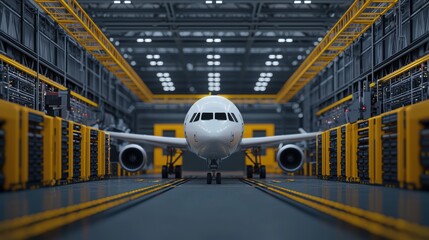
pixel 424 152
pixel 65 171
pixel 363 151
pixel 343 141
pixel 390 149
pixel 319 155
pixel 35 149
pixel 107 155
pixel 333 154
pixel 2 151
pixel 93 154
pixel 77 151
pixel 406 89
pixel 17 87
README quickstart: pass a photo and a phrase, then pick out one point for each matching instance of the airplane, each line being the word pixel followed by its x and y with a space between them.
pixel 213 130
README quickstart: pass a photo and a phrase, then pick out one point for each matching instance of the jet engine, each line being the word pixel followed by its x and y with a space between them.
pixel 290 158
pixel 132 158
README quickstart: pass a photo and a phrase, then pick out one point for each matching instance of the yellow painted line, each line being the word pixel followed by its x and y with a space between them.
pixel 36 224
pixel 375 223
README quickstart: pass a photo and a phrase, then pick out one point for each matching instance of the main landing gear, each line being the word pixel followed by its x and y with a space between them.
pixel 214 165
pixel 170 168
pixel 257 167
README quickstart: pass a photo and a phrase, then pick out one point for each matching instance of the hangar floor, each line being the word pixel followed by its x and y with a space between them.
pixel 236 209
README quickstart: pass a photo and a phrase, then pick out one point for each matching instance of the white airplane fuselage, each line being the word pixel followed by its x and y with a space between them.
pixel 213 128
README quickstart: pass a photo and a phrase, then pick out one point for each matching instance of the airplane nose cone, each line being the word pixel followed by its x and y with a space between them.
pixel 214 138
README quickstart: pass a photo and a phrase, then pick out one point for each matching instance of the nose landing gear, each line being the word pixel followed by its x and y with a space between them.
pixel 214 165
pixel 257 167
pixel 170 167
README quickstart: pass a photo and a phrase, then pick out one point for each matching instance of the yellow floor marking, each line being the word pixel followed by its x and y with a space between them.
pixel 36 224
pixel 381 225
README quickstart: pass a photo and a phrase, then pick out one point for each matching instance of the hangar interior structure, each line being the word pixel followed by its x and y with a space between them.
pixel 74 71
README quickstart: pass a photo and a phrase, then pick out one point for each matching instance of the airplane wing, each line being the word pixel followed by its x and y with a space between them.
pixel 275 140
pixel 151 140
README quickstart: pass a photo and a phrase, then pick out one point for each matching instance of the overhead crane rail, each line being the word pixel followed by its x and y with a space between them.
pixel 355 21
pixel 71 16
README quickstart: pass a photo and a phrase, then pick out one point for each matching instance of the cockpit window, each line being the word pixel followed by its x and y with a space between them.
pixel 206 116
pixel 233 115
pixel 220 116
pixel 230 117
pixel 197 117
pixel 193 116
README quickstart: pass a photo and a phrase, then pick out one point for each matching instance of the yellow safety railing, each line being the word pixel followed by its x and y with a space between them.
pixel 355 21
pixel 44 79
pixel 71 16
pixel 403 69
pixel 341 101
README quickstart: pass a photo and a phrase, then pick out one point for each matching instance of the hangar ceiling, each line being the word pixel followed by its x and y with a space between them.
pixel 228 46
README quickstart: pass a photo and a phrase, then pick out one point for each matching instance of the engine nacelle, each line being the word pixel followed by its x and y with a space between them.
pixel 290 158
pixel 132 158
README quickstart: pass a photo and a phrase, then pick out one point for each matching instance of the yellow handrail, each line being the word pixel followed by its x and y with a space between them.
pixel 43 78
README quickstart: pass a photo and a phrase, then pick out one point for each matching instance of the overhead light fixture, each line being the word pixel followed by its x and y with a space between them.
pixel 272 56
pixel 216 79
pixel 289 40
pixel 140 40
pixel 269 74
pixel 320 39
pixel 299 57
pixel 263 74
pixel 209 40
pixel 209 2
pixel 217 40
pixel 116 43
pixel 127 2
pixel 156 56
pixel 160 63
pixel 210 63
pixel 166 75
pixel 307 1
pixel 111 39
pixel 268 63
pixel 210 79
pixel 152 63
pixel 278 56
pixel 294 63
pixel 149 56
pixel 275 63
pixel 216 63
pixel 297 2
pixel 281 40
pixel 162 79
pixel 217 74
pixel 210 74
pixel 219 2
pixel 116 2
pixel 133 63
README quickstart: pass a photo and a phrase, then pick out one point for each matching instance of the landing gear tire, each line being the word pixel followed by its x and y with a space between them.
pixel 249 171
pixel 218 178
pixel 263 172
pixel 209 178
pixel 164 172
pixel 178 171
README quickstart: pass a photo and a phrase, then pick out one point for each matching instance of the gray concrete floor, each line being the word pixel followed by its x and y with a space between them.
pixel 232 210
